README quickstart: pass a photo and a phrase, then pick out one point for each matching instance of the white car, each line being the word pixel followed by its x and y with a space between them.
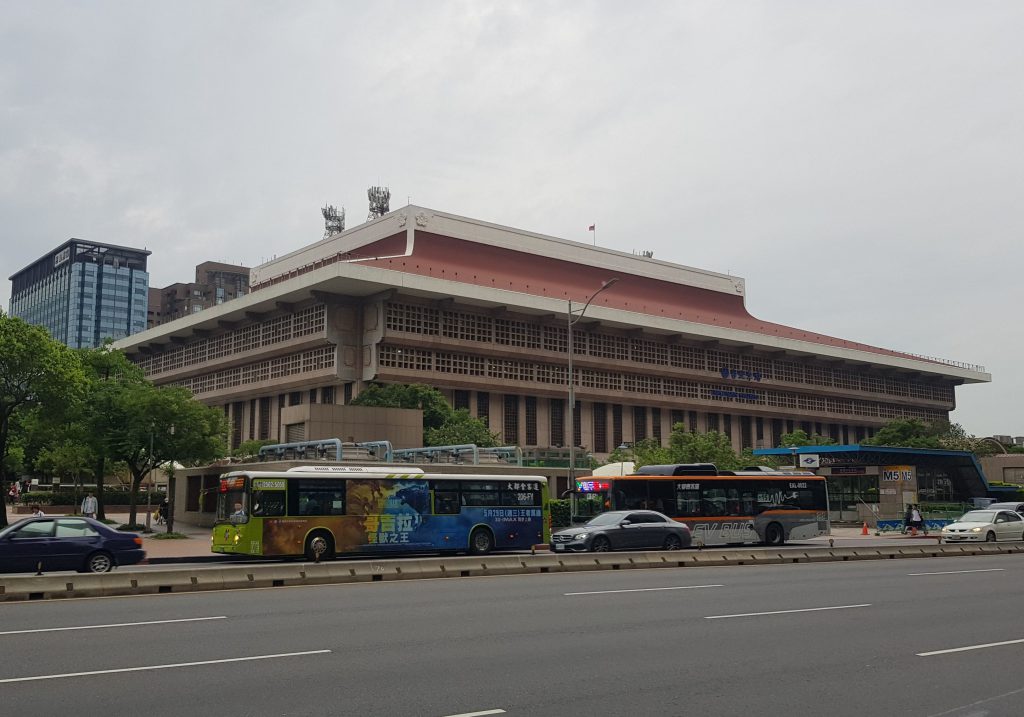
pixel 985 526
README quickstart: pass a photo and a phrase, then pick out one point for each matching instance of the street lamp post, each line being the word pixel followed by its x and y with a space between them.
pixel 572 317
pixel 149 491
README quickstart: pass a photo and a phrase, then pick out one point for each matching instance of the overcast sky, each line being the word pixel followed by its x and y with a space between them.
pixel 859 163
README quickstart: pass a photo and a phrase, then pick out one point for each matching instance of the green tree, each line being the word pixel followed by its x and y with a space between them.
pixel 35 371
pixel 152 425
pixel 800 438
pixel 68 457
pixel 248 449
pixel 907 433
pixel 459 429
pixel 108 373
pixel 686 447
pixel 415 395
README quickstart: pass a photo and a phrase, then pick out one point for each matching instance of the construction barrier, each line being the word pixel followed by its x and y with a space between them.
pixel 202 578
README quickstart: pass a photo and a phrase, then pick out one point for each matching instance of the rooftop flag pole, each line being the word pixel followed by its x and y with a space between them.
pixel 593 228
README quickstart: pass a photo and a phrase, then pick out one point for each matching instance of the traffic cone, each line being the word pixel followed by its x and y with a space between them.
pixel 864 528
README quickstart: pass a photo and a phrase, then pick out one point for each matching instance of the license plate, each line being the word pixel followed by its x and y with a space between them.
pixel 559 546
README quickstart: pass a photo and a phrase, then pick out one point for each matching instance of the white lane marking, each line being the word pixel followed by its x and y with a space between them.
pixel 961 708
pixel 115 624
pixel 969 647
pixel 645 590
pixel 162 667
pixel 478 714
pixel 784 612
pixel 957 572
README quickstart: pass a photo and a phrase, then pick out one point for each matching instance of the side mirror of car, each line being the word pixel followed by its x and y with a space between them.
pixel 624 523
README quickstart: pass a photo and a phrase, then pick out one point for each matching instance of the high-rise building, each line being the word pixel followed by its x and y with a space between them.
pixel 215 283
pixel 84 292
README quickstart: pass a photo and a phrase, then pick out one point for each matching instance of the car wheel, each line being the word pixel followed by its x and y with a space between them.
pixel 601 544
pixel 672 542
pixel 990 537
pixel 319 546
pixel 481 542
pixel 100 562
pixel 774 534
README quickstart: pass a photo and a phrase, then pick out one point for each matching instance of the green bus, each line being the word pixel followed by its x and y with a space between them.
pixel 323 511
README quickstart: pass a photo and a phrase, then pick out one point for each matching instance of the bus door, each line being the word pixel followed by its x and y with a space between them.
pixel 588 499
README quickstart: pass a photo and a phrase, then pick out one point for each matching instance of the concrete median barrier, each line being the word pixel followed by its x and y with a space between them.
pixel 195 579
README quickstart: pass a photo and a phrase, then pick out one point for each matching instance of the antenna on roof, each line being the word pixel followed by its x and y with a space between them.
pixel 380 202
pixel 334 221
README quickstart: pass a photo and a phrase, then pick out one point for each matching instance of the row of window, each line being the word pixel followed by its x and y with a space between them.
pixel 720 499
pixel 427 361
pixel 280 367
pixel 306 322
pixel 466 326
pixel 330 497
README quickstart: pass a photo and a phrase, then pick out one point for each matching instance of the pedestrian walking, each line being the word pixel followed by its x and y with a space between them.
pixel 37 512
pixel 89 506
pixel 161 515
pixel 917 519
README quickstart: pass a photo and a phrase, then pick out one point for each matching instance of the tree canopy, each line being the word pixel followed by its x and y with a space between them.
pixel 442 425
pixel 152 425
pixel 686 447
pixel 35 370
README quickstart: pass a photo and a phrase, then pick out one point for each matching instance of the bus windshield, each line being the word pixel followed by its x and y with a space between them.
pixel 232 501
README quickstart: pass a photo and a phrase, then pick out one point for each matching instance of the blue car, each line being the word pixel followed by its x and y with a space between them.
pixel 72 543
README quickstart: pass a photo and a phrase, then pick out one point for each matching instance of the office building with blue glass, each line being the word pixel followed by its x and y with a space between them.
pixel 84 292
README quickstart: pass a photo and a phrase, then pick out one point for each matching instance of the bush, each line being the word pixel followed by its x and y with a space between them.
pixel 559 513
pixel 169 536
pixel 133 527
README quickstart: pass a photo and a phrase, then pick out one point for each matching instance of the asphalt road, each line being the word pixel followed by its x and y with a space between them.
pixel 853 638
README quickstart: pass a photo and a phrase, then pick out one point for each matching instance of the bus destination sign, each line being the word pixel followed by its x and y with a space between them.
pixel 593 486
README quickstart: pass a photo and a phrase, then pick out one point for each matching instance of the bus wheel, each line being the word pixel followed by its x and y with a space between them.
pixel 774 534
pixel 319 546
pixel 672 542
pixel 481 542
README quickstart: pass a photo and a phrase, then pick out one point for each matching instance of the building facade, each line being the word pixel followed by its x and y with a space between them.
pixel 84 292
pixel 481 312
pixel 215 283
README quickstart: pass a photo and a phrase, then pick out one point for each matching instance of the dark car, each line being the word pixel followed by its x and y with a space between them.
pixel 623 530
pixel 72 543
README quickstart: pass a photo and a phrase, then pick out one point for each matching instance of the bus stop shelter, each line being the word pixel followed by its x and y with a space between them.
pixel 877 483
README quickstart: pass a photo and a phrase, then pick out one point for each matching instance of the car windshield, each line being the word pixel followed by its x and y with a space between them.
pixel 606 519
pixel 978 516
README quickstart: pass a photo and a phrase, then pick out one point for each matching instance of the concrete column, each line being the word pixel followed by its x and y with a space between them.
pixel 586 419
pixel 543 421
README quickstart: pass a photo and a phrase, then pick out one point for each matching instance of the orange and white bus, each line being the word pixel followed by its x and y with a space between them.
pixel 753 505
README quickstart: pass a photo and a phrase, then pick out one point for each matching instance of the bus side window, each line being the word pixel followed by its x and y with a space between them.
pixel 446 502
pixel 688 502
pixel 732 501
pixel 268 503
pixel 713 501
pixel 446 497
pixel 749 505
pixel 480 494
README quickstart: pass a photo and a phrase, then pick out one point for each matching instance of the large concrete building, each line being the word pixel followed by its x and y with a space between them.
pixel 480 311
pixel 215 283
pixel 84 292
